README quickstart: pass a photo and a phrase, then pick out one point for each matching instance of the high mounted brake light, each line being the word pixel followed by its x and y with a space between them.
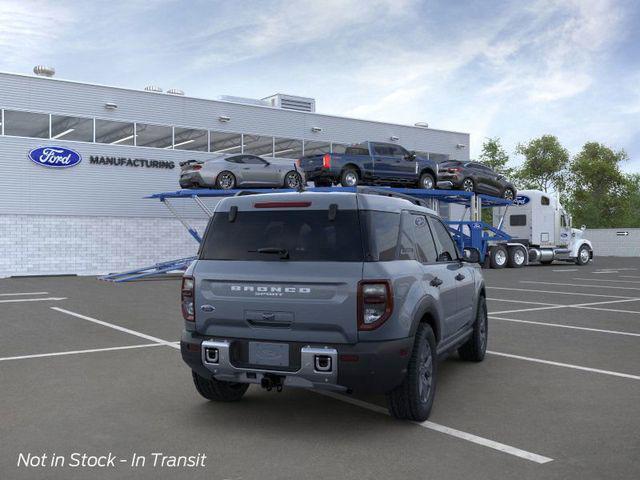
pixel 188 309
pixel 326 160
pixel 196 167
pixel 375 303
pixel 282 205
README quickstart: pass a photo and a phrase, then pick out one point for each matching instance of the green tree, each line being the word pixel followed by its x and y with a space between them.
pixel 600 194
pixel 494 156
pixel 545 164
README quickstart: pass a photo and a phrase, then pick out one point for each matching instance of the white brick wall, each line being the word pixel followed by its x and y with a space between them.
pixel 52 245
pixel 608 243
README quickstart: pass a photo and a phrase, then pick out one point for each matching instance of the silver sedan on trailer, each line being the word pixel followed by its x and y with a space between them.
pixel 240 170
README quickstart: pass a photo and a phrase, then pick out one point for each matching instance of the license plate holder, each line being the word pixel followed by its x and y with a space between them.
pixel 269 354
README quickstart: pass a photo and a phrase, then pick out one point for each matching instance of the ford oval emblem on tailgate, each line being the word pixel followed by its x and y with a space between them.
pixel 55 157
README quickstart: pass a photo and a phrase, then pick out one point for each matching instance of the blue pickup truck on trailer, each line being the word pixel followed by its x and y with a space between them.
pixel 371 163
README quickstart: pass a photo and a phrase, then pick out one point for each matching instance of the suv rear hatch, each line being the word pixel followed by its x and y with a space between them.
pixel 281 270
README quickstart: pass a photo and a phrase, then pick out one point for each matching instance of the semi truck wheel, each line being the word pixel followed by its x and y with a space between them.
pixel 517 257
pixel 584 255
pixel 474 349
pixel 413 399
pixel 218 391
pixel 499 256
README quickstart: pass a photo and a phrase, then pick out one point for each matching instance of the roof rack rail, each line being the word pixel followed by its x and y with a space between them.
pixel 388 193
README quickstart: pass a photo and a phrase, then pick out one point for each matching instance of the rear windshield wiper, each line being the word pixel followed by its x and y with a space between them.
pixel 283 252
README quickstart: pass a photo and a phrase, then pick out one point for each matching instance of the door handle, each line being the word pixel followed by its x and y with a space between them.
pixel 460 277
pixel 246 168
pixel 436 282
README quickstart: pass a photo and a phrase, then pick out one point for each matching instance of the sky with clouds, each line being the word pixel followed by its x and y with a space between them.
pixel 510 69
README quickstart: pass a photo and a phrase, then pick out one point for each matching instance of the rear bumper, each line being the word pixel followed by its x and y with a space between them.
pixel 366 367
pixel 189 180
pixel 320 173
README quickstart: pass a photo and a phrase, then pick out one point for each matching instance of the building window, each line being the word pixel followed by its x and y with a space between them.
pixel 26 124
pixel 71 128
pixel 190 139
pixel 157 136
pixel 316 148
pixel 257 145
pixel 226 142
pixel 115 133
pixel 287 148
pixel 338 148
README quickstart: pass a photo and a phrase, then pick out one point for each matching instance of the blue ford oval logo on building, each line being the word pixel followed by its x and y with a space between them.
pixel 55 157
pixel 521 200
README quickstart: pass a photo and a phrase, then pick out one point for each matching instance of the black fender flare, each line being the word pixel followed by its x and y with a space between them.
pixel 427 308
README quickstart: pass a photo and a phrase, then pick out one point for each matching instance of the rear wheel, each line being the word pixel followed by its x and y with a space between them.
pixel 427 182
pixel 468 185
pixel 499 256
pixel 517 257
pixel 584 255
pixel 508 194
pixel 218 391
pixel 292 180
pixel 349 177
pixel 474 349
pixel 413 399
pixel 226 180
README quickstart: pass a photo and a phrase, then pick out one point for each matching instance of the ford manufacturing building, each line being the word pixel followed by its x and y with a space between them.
pixel 91 217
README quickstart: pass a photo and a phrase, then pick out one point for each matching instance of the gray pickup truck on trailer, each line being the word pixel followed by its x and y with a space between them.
pixel 354 292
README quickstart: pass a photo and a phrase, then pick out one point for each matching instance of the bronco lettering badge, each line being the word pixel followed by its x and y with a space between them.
pixel 269 291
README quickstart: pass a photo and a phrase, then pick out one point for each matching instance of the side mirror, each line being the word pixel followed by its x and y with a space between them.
pixel 411 156
pixel 583 228
pixel 471 255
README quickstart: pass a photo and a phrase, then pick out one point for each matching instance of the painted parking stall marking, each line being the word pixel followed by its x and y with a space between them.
pixel 21 300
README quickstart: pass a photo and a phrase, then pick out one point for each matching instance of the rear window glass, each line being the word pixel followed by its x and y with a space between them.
pixel 306 235
pixel 357 151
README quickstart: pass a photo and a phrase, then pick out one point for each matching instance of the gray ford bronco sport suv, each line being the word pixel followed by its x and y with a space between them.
pixel 353 292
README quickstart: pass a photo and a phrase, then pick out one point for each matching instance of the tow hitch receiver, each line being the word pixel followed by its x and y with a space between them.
pixel 270 381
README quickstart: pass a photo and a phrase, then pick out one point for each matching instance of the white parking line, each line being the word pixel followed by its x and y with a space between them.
pixel 520 301
pixel 27 293
pixel 577 305
pixel 629 276
pixel 572 327
pixel 531 309
pixel 118 327
pixel 48 299
pixel 565 365
pixel 581 285
pixel 469 437
pixel 76 352
pixel 558 293
pixel 605 280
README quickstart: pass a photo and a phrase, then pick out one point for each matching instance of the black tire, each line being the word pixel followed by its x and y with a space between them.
pixel 546 262
pixel 517 257
pixel 584 255
pixel 292 180
pixel 322 183
pixel 427 182
pixel 474 349
pixel 218 391
pixel 226 180
pixel 509 194
pixel 468 185
pixel 499 256
pixel 409 401
pixel 349 177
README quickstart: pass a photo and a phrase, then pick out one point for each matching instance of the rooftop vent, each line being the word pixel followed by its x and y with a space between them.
pixel 175 91
pixel 244 100
pixel 291 102
pixel 422 124
pixel 43 71
pixel 153 88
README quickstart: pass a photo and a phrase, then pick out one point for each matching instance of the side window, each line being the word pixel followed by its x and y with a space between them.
pixel 424 240
pixel 397 151
pixel 544 201
pixel 382 233
pixel 517 220
pixel 406 249
pixel 238 159
pixel 382 150
pixel 253 160
pixel 447 250
pixel 563 221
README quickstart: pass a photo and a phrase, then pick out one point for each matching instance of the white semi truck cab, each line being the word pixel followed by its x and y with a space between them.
pixel 540 231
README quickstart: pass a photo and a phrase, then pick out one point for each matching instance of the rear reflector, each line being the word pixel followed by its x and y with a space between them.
pixel 282 205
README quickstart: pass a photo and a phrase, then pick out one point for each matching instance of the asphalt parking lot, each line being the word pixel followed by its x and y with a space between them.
pixel 89 366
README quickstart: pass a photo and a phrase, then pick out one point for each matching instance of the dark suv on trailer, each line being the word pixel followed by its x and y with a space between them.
pixel 474 177
pixel 352 292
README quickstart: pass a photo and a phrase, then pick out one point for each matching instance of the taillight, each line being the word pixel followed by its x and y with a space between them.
pixel 196 167
pixel 188 309
pixel 375 303
pixel 326 161
pixel 455 170
pixel 298 163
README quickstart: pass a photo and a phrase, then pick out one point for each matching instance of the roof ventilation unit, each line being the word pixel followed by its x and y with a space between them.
pixel 244 100
pixel 291 102
pixel 153 88
pixel 43 71
pixel 175 91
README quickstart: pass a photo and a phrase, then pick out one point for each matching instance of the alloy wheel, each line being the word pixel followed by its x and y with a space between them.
pixel 425 374
pixel 351 179
pixel 292 180
pixel 226 181
pixel 467 185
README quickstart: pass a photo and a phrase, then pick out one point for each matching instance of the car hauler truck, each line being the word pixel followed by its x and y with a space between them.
pixel 540 231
